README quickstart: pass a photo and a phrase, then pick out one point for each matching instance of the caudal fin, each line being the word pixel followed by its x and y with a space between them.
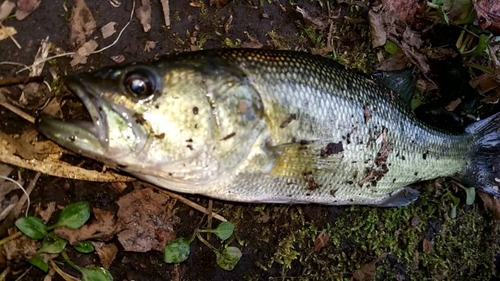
pixel 483 167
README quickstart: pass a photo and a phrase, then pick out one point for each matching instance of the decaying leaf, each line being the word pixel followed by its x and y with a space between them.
pixel 488 14
pixel 367 271
pixel 143 13
pixel 26 7
pixel 398 61
pixel 46 213
pixel 6 9
pixel 108 29
pixel 318 22
pixel 484 83
pixel 6 32
pixel 22 248
pixel 406 10
pixel 147 220
pixel 102 227
pixel 321 240
pixel 491 203
pixel 106 252
pixel 150 45
pixel 118 58
pixel 427 245
pixel 81 23
pixel 80 56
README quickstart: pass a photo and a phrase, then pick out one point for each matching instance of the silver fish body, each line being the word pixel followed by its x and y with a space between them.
pixel 267 126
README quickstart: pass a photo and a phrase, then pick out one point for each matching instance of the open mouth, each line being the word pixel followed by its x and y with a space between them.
pixel 80 136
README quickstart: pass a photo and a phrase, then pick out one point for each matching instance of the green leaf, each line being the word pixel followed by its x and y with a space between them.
pixel 482 44
pixel 32 227
pixel 224 230
pixel 96 274
pixel 84 247
pixel 228 258
pixel 74 215
pixel 52 244
pixel 177 251
pixel 37 261
pixel 471 195
pixel 391 47
pixel 443 15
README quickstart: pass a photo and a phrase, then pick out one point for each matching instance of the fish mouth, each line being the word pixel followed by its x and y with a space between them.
pixel 85 137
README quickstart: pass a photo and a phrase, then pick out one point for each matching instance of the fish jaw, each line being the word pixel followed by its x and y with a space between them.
pixel 109 137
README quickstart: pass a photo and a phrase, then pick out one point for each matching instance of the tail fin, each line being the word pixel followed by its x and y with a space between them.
pixel 483 167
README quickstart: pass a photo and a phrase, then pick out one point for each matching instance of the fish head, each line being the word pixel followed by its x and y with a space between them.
pixel 178 125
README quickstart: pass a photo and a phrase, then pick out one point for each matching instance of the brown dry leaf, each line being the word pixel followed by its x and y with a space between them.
pixel 6 32
pixel 6 9
pixel 147 220
pixel 80 56
pixel 367 271
pixel 22 248
pixel 106 252
pixel 118 58
pixel 427 245
pixel 453 104
pixel 321 240
pixel 484 83
pixel 219 3
pixel 26 7
pixel 143 13
pixel 406 10
pixel 150 45
pixel 46 213
pixel 377 26
pixel 488 14
pixel 81 24
pixel 102 227
pixel 318 22
pixel 398 61
pixel 108 29
pixel 491 203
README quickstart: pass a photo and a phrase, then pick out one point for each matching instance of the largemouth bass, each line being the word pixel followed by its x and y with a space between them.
pixel 268 126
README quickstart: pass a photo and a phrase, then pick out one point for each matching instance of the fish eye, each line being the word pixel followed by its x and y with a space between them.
pixel 139 85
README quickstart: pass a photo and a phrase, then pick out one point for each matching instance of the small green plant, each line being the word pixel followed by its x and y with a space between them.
pixel 73 216
pixel 227 258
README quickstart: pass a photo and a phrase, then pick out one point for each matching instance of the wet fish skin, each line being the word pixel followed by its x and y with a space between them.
pixel 268 126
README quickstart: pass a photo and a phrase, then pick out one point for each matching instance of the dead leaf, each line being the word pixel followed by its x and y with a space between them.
pixel 46 213
pixel 22 248
pixel 219 3
pixel 80 56
pixel 488 14
pixel 150 45
pixel 6 9
pixel 103 227
pixel 398 61
pixel 6 32
pixel 109 29
pixel 106 252
pixel 118 59
pixel 491 203
pixel 427 245
pixel 492 98
pixel 453 104
pixel 143 13
pixel 318 22
pixel 26 7
pixel 321 240
pixel 484 83
pixel 147 220
pixel 81 24
pixel 377 26
pixel 406 10
pixel 367 271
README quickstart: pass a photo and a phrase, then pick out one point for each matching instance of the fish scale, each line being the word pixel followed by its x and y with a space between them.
pixel 274 126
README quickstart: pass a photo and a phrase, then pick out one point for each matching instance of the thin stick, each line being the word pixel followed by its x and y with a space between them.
pixel 19 207
pixel 19 112
pixel 20 80
pixel 193 205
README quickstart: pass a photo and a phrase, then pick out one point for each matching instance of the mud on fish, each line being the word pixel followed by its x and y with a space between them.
pixel 268 126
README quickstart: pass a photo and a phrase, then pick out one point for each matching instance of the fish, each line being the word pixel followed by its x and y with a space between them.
pixel 268 126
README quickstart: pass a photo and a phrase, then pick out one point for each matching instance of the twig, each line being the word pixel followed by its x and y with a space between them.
pixel 11 237
pixel 94 52
pixel 20 80
pixel 4 273
pixel 166 12
pixel 192 204
pixel 19 207
pixel 19 112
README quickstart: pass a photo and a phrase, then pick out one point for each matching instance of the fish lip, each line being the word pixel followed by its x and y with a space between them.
pixel 82 86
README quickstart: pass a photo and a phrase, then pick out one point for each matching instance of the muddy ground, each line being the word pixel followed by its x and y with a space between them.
pixel 422 241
